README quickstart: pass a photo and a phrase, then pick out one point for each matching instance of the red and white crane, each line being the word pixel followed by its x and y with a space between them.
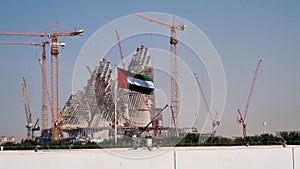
pixel 241 119
pixel 214 119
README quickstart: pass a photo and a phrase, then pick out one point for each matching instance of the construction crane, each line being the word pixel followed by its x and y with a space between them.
pixel 55 109
pixel 29 126
pixel 174 63
pixel 241 119
pixel 120 49
pixel 215 120
pixel 43 64
pixel 45 92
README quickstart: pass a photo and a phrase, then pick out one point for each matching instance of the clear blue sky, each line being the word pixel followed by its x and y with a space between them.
pixel 241 31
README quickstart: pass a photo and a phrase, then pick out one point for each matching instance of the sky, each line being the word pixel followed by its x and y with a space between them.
pixel 241 32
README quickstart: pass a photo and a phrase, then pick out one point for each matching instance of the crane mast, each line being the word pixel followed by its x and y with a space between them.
pixel 45 92
pixel 55 90
pixel 55 109
pixel 173 61
pixel 43 64
pixel 174 78
pixel 242 116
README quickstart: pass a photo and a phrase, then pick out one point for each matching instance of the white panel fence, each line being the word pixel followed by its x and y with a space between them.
pixel 259 157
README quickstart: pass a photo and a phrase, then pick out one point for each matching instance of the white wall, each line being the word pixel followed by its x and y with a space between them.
pixel 164 158
pixel 297 157
pixel 87 159
pixel 235 158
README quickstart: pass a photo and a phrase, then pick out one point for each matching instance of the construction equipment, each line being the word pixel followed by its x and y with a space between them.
pixel 137 133
pixel 214 119
pixel 153 119
pixel 241 119
pixel 30 127
pixel 120 49
pixel 174 63
pixel 55 109
pixel 45 92
pixel 43 64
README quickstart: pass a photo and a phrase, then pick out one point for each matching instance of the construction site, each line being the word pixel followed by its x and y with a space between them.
pixel 101 110
pixel 150 84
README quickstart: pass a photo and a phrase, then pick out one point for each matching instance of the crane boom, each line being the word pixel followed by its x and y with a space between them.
pixel 29 126
pixel 28 114
pixel 203 95
pixel 242 117
pixel 21 43
pixel 26 102
pixel 43 34
pixel 120 49
pixel 172 26
pixel 215 120
pixel 252 88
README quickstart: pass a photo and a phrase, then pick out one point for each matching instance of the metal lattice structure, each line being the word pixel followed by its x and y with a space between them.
pixel 94 105
pixel 140 104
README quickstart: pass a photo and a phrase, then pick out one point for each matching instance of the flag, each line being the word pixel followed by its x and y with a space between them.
pixel 135 82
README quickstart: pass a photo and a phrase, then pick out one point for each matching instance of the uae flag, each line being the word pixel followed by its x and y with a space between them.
pixel 135 82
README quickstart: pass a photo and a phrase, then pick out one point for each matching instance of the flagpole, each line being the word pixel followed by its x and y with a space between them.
pixel 115 93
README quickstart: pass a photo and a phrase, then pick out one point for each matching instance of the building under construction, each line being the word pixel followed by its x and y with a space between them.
pixel 90 112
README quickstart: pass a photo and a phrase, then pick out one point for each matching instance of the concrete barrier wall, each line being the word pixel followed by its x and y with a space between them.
pixel 88 159
pixel 163 158
pixel 235 158
pixel 297 158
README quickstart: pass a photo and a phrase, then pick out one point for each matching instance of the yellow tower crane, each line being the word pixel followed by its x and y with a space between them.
pixel 30 127
pixel 43 63
pixel 174 63
pixel 55 109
